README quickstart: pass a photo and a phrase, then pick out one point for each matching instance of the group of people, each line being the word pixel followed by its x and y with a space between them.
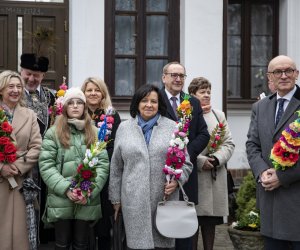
pixel 129 175
pixel 51 156
pixel 129 171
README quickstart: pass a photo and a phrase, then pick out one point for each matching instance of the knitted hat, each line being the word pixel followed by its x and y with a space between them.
pixel 35 63
pixel 74 93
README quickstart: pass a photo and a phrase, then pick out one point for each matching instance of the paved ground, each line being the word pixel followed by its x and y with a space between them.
pixel 222 240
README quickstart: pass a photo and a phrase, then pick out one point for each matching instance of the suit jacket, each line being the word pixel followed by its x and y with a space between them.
pixel 198 139
pixel 280 214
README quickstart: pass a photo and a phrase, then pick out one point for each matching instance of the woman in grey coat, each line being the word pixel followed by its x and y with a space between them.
pixel 137 182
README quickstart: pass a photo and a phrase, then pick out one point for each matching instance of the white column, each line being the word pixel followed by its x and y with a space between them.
pixel 86 51
pixel 201 42
pixel 289 29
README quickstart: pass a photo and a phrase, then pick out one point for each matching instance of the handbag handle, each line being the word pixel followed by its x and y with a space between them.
pixel 185 197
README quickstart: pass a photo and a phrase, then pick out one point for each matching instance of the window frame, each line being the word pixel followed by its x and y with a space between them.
pixel 123 102
pixel 246 101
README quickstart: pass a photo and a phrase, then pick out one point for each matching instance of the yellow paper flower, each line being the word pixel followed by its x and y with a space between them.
pixel 60 93
pixel 185 107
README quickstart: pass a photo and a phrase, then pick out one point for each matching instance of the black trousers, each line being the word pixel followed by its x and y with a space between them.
pixel 71 233
pixel 184 244
pixel 274 244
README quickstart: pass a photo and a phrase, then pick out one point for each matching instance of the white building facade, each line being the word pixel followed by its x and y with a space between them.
pixel 201 51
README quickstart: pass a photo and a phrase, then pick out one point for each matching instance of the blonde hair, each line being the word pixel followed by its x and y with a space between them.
pixel 63 129
pixel 5 78
pixel 106 101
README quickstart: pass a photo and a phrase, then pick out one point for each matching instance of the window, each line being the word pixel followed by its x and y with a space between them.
pixel 142 36
pixel 252 41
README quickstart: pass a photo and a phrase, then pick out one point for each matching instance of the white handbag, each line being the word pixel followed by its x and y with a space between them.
pixel 176 219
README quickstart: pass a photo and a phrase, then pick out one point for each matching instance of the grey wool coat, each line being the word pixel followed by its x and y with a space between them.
pixel 13 227
pixel 137 180
pixel 213 194
pixel 279 209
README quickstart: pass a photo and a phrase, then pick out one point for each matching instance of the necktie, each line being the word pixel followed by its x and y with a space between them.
pixel 280 110
pixel 174 104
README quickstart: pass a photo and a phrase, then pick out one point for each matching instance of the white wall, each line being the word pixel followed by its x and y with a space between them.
pixel 86 46
pixel 238 121
pixel 201 42
pixel 289 24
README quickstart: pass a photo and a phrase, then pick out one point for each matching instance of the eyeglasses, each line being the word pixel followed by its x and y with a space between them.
pixel 72 103
pixel 175 75
pixel 278 73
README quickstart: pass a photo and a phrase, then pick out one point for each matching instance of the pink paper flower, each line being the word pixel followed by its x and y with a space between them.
pixel 177 149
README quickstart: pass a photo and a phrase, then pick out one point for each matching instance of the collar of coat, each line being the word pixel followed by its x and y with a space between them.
pixel 296 95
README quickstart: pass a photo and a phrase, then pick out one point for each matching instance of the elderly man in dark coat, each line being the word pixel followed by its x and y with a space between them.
pixel 278 191
pixel 173 80
pixel 39 99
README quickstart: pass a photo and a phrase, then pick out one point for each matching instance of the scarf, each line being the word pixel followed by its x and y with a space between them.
pixel 206 108
pixel 8 112
pixel 79 124
pixel 147 126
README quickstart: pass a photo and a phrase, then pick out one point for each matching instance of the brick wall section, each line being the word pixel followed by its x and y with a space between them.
pixel 238 175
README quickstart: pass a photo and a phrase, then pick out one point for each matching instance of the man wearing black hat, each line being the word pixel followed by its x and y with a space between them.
pixel 38 98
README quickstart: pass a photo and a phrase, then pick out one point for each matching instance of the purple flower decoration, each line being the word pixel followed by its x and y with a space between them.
pixel 85 185
pixel 73 183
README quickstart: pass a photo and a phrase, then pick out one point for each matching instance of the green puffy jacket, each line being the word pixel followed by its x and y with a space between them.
pixel 57 167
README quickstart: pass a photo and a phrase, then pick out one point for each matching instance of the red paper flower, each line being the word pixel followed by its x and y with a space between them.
pixel 79 168
pixel 4 140
pixel 9 148
pixel 86 174
pixel 2 157
pixel 11 158
pixel 6 127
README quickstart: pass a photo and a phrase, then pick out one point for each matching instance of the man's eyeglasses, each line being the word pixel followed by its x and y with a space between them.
pixel 175 75
pixel 278 73
pixel 72 103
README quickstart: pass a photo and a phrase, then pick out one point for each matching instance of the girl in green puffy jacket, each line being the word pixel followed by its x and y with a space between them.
pixel 63 150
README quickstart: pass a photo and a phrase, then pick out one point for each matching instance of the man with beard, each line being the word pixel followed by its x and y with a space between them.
pixel 39 99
